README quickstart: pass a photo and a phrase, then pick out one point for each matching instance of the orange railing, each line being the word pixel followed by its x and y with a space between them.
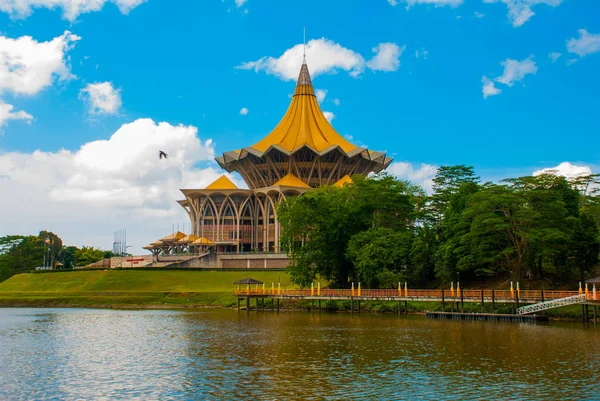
pixel 524 295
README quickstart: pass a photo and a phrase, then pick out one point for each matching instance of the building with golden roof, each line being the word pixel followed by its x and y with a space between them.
pixel 303 151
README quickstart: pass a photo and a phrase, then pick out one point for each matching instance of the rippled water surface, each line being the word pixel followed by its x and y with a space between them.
pixel 76 354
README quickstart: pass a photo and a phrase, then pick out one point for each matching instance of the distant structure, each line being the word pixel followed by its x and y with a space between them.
pixel 301 153
pixel 120 242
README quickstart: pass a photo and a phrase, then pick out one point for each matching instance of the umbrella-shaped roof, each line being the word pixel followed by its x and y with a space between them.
pixel 173 237
pixel 203 241
pixel 248 281
pixel 188 238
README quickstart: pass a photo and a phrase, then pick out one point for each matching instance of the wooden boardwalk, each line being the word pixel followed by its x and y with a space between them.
pixel 453 299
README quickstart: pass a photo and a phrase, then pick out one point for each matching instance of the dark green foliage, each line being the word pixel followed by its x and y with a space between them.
pixel 380 231
pixel 22 253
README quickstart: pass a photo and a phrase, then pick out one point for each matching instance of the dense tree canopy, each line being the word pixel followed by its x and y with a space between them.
pixel 381 231
pixel 22 253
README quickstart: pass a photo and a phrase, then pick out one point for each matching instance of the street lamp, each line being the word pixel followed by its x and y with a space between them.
pixel 131 259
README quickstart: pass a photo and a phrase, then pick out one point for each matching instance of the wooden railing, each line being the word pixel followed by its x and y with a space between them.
pixel 469 295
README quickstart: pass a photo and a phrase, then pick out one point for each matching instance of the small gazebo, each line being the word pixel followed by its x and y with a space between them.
pixel 247 281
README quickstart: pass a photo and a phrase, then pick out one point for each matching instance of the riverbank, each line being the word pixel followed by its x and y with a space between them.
pixel 178 289
pixel 130 288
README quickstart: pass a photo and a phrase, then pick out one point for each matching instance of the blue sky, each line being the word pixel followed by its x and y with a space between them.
pixel 175 63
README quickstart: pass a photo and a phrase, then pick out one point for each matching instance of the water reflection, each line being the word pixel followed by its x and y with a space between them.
pixel 107 354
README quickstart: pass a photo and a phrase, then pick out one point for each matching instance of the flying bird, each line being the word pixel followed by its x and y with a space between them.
pixel 162 154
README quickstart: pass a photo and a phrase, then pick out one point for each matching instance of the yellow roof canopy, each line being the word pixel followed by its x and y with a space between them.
pixel 173 237
pixel 188 238
pixel 304 124
pixel 290 180
pixel 203 241
pixel 343 181
pixel 222 183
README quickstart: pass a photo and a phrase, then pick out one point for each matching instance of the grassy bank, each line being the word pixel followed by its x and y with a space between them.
pixel 183 289
pixel 130 288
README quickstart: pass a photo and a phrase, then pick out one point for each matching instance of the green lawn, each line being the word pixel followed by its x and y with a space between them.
pixel 130 288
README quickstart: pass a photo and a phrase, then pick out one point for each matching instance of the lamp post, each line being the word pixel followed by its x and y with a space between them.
pixel 131 258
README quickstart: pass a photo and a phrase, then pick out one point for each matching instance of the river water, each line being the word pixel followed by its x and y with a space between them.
pixel 80 354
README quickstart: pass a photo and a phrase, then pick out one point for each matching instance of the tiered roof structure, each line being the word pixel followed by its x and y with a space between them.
pixel 302 152
pixel 303 144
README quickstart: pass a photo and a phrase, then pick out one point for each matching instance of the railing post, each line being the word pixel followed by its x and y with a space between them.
pixel 462 305
pixel 543 296
pixel 493 302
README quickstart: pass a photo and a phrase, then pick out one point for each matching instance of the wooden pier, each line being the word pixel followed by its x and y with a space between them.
pixel 452 301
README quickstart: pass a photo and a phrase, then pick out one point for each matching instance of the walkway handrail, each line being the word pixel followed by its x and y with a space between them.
pixel 470 295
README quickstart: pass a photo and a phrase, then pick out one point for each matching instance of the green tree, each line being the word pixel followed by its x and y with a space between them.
pixel 379 254
pixel 87 255
pixel 447 181
pixel 318 226
pixel 67 256
pixel 585 244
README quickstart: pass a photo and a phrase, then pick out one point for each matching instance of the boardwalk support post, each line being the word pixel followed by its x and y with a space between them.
pixel 462 304
pixel 482 303
pixel 405 307
pixel 443 301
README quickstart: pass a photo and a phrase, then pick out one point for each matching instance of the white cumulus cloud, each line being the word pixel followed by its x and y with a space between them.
pixel 519 11
pixel 329 115
pixel 566 170
pixel 244 111
pixel 422 175
pixel 240 3
pixel 323 56
pixel 71 8
pixel 7 113
pixel 106 185
pixel 587 43
pixel 28 66
pixel 102 97
pixel 514 71
pixel 320 94
pixel 554 56
pixel 387 57
pixel 489 88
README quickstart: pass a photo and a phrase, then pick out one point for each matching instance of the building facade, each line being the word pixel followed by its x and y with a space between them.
pixel 302 152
